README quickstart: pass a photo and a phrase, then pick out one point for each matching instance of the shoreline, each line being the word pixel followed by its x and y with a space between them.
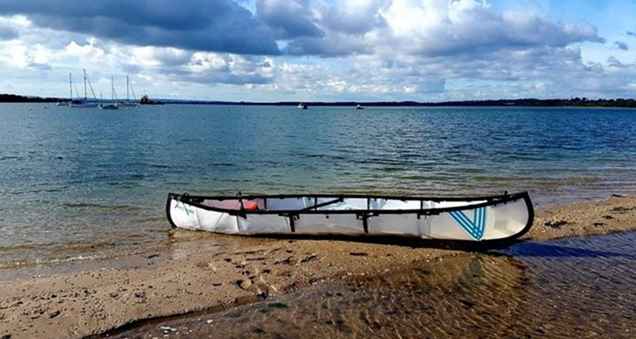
pixel 626 103
pixel 197 271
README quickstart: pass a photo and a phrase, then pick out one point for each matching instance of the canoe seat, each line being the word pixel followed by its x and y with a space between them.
pixel 250 205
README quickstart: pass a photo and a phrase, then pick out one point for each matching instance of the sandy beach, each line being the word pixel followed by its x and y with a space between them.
pixel 192 272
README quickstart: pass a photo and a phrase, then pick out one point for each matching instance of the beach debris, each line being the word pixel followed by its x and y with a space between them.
pixel 618 195
pixel 359 254
pixel 209 321
pixel 54 314
pixel 167 329
pixel 555 223
pixel 152 256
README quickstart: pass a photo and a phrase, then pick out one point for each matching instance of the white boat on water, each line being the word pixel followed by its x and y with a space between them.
pixel 485 218
pixel 301 106
pixel 128 102
pixel 85 102
pixel 113 104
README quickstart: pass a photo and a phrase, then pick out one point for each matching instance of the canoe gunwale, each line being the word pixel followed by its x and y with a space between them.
pixel 361 214
pixel 490 201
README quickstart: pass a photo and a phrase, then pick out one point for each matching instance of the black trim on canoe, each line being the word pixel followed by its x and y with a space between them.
pixel 493 200
pixel 170 197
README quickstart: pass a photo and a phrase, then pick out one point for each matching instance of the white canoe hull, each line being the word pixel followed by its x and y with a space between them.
pixel 479 219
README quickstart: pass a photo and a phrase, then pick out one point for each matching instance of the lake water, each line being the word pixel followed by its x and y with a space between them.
pixel 76 178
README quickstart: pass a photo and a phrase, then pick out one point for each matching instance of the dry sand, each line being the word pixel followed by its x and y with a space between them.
pixel 190 274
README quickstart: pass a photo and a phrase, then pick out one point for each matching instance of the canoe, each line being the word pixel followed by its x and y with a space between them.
pixel 496 217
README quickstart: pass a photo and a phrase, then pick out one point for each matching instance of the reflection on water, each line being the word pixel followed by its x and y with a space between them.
pixel 570 288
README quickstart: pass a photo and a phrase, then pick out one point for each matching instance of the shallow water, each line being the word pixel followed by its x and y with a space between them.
pixel 76 177
pixel 580 287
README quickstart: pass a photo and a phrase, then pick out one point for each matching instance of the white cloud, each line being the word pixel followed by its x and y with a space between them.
pixel 373 49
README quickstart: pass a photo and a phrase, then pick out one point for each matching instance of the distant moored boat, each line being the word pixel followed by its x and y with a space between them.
pixel 113 105
pixel 128 102
pixel 145 100
pixel 85 103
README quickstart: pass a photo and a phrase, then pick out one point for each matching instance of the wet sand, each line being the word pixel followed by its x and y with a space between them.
pixel 197 271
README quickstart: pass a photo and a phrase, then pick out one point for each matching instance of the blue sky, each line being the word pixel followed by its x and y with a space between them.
pixel 302 50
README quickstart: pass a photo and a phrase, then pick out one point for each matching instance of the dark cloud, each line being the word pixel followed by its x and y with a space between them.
pixel 631 33
pixel 621 45
pixel 288 18
pixel 219 26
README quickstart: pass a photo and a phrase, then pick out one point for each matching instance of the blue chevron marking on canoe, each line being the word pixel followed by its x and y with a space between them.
pixel 475 227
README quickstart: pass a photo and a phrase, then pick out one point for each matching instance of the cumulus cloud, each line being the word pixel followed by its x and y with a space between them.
pixel 433 28
pixel 210 68
pixel 621 45
pixel 220 25
pixel 7 32
pixel 354 16
pixel 438 28
pixel 316 49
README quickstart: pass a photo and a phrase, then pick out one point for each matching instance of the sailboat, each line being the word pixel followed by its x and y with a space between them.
pixel 301 106
pixel 70 86
pixel 84 103
pixel 128 102
pixel 113 104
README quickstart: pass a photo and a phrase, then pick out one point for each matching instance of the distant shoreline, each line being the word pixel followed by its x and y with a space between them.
pixel 529 102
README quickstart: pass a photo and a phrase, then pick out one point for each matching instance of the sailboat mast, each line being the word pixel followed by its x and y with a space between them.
pixel 85 95
pixel 112 87
pixel 127 88
pixel 70 85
